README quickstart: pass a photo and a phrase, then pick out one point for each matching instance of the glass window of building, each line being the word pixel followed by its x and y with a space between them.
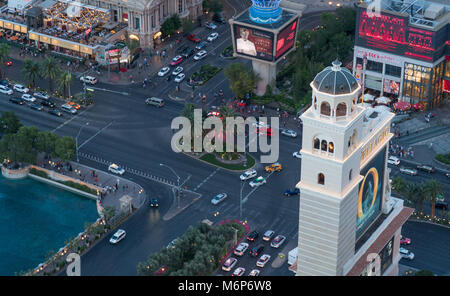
pixel 180 6
pixel 137 23
pixel 417 83
pixel 374 66
pixel 393 71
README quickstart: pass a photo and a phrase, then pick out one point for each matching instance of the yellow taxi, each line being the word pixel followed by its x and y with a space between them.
pixel 274 167
pixel 75 105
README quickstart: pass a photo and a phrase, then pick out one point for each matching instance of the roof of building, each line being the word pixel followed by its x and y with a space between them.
pixel 335 80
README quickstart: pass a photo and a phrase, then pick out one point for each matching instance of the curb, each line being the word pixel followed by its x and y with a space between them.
pixel 418 163
pixel 233 171
pixel 428 222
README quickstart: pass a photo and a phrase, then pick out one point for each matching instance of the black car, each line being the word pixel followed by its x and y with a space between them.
pixel 35 106
pixel 154 202
pixel 290 192
pixel 252 236
pixel 441 205
pixel 55 112
pixel 187 52
pixel 17 100
pixel 426 168
pixel 5 83
pixel 218 18
pixel 255 251
pixel 48 103
pixel 182 49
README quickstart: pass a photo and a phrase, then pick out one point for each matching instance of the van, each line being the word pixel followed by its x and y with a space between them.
pixel 155 101
pixel 69 109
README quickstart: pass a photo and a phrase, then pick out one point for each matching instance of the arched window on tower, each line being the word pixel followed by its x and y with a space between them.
pixel 341 109
pixel 324 145
pixel 316 143
pixel 325 109
pixel 331 147
pixel 315 103
pixel 350 175
pixel 321 179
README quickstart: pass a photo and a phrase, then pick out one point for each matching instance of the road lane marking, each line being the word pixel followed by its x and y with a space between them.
pixel 96 134
pixel 66 122
pixel 206 179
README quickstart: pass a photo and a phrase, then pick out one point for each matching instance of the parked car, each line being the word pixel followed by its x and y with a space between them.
pixel 404 253
pixel 118 236
pixel 393 160
pixel 289 133
pixel 255 251
pixel 177 71
pixel 163 71
pixel 28 98
pixel 188 52
pixel 238 271
pixel 75 105
pixel 441 205
pixel 405 240
pixel 219 198
pixel 200 55
pixel 69 109
pixel 212 36
pixel 21 88
pixel 252 236
pixel 254 272
pixel 426 168
pixel 248 175
pixel 278 241
pixel 296 154
pixel 41 95
pixel 180 77
pixel 408 171
pixel 8 63
pixel 291 192
pixel 35 106
pixel 219 19
pixel 240 249
pixel 201 45
pixel 274 167
pixel 176 60
pixel 268 235
pixel 154 202
pixel 17 100
pixel 55 112
pixel 114 168
pixel 211 26
pixel 6 90
pixel 182 48
pixel 5 83
pixel 48 103
pixel 257 182
pixel 193 38
pixel 263 260
pixel 229 264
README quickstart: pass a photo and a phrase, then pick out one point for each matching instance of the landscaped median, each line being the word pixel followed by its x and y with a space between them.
pixel 233 165
pixel 202 75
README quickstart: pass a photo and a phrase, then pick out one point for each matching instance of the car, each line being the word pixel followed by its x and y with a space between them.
pixel 200 55
pixel 263 260
pixel 260 124
pixel 248 175
pixel 212 37
pixel 48 103
pixel 289 133
pixel 229 264
pixel 406 254
pixel 17 100
pixel 89 79
pixel 188 52
pixel 41 95
pixel 254 272
pixel 274 167
pixel 8 63
pixel 35 106
pixel 278 241
pixel 263 131
pixel 114 168
pixel 182 48
pixel 255 251
pixel 296 154
pixel 5 83
pixel 21 88
pixel 219 198
pixel 6 90
pixel 211 26
pixel 268 235
pixel 393 160
pixel 193 38
pixel 252 236
pixel 69 109
pixel 240 249
pixel 405 240
pixel 154 202
pixel 218 18
pixel 291 192
pixel 180 77
pixel 408 171
pixel 55 112
pixel 163 71
pixel 75 105
pixel 213 113
pixel 176 60
pixel 426 168
pixel 172 244
pixel 238 271
pixel 441 205
pixel 257 182
pixel 177 71
pixel 118 236
pixel 201 45
pixel 28 98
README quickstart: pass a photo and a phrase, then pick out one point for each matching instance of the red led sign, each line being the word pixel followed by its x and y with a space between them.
pixel 286 39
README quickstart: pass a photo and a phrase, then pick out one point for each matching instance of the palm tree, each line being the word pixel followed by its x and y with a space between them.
pixel 411 192
pixel 30 71
pixel 50 70
pixel 132 45
pixel 63 80
pixel 434 190
pixel 398 184
pixel 4 55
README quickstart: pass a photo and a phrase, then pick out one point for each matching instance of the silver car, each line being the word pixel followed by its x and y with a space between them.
pixel 289 133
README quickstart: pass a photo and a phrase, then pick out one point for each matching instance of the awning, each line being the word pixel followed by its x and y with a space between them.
pixel 402 106
pixel 383 100
pixel 368 98
pixel 418 106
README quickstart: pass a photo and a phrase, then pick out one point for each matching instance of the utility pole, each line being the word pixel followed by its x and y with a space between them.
pixel 240 203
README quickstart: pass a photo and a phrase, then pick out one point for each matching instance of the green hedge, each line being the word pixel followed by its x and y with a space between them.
pixel 205 73
pixel 38 173
pixel 211 158
pixel 445 158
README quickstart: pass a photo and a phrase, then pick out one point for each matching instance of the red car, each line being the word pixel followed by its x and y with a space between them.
pixel 405 241
pixel 8 63
pixel 264 131
pixel 193 38
pixel 176 60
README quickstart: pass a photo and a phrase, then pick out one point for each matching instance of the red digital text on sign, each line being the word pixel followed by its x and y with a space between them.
pixel 286 39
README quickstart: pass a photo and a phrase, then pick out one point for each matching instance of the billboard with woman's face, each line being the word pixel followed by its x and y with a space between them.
pixel 370 192
pixel 254 43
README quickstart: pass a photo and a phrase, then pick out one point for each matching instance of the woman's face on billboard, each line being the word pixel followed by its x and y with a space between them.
pixel 244 34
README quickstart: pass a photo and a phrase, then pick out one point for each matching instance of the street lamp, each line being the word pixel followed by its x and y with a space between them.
pixel 178 182
pixel 240 204
pixel 76 139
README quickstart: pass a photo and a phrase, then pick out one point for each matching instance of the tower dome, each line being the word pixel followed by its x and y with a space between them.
pixel 335 80
pixel 265 11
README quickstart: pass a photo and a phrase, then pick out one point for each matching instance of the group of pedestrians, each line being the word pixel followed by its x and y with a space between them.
pixel 399 150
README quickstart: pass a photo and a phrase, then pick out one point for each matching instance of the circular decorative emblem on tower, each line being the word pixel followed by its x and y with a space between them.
pixel 265 11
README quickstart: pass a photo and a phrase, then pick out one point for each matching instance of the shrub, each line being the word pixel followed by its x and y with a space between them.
pixel 38 173
pixel 445 158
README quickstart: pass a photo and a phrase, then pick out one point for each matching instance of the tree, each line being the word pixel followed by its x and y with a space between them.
pixel 411 193
pixel 63 81
pixel 20 147
pixel 170 26
pixel 46 141
pixel 4 55
pixel 212 5
pixel 30 71
pixel 108 213
pixel 50 70
pixel 242 80
pixel 65 148
pixel 9 123
pixel 187 25
pixel 398 184
pixel 132 45
pixel 434 190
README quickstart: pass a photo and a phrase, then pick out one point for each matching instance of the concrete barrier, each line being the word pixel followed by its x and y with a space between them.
pixel 15 174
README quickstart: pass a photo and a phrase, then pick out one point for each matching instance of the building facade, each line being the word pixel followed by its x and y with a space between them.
pixel 346 211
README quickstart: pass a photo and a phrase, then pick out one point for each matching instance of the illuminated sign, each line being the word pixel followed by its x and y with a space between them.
pixel 286 39
pixel 446 86
pixel 366 151
pixel 253 42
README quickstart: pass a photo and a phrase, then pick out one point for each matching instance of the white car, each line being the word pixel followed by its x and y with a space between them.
pixel 263 260
pixel 268 235
pixel 180 77
pixel 200 55
pixel 260 124
pixel 163 71
pixel 114 168
pixel 219 198
pixel 296 154
pixel 393 160
pixel 239 271
pixel 406 254
pixel 289 133
pixel 411 172
pixel 28 98
pixel 248 175
pixel 118 236
pixel 21 88
pixel 278 241
pixel 177 71
pixel 254 272
pixel 41 95
pixel 240 249
pixel 211 26
pixel 89 79
pixel 6 90
pixel 213 36
pixel 257 182
pixel 229 264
